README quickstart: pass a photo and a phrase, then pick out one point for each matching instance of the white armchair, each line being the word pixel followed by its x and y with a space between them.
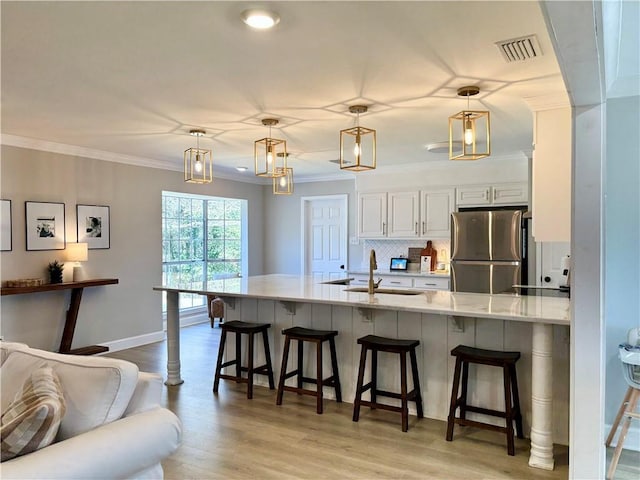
pixel 114 426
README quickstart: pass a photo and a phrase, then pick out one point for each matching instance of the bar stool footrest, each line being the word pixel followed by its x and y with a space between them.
pixel 484 426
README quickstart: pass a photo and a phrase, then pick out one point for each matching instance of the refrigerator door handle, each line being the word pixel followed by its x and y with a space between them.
pixel 485 262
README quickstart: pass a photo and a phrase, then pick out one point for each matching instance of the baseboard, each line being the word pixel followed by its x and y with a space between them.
pixel 137 341
pixel 632 440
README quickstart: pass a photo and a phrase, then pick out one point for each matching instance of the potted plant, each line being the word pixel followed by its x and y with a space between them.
pixel 55 271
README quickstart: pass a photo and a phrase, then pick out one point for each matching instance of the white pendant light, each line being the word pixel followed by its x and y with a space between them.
pixel 471 129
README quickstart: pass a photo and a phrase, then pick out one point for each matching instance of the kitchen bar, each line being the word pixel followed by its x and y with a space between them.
pixel 440 319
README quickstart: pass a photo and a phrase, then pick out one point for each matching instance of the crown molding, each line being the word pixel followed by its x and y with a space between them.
pixel 73 150
pixel 548 102
pixel 65 149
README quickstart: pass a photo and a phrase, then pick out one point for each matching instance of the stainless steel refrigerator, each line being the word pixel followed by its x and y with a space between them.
pixel 488 251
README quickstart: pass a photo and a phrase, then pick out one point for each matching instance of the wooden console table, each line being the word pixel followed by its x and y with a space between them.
pixel 72 314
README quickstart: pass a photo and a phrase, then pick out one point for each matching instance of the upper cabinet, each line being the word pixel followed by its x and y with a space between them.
pixel 404 215
pixel 372 215
pixel 487 195
pixel 436 207
pixel 410 214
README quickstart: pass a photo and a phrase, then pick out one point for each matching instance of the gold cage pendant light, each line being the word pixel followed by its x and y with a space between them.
pixel 471 129
pixel 270 154
pixel 198 163
pixel 358 145
pixel 283 185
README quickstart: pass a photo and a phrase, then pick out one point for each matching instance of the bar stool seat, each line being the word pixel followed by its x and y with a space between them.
pixel 377 344
pixel 250 329
pixel 318 337
pixel 466 355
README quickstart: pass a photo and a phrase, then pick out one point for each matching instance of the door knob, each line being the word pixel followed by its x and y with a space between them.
pixel 547 279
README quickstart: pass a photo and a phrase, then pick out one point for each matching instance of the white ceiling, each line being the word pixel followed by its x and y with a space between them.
pixel 132 78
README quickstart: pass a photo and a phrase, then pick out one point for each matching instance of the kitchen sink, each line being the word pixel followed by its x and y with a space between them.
pixel 392 291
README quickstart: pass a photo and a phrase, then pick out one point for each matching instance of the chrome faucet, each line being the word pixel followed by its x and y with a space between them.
pixel 373 265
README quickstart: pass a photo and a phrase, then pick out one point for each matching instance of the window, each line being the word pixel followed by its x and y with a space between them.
pixel 202 239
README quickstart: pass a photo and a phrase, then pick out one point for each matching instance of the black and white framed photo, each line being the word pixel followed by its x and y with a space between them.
pixel 5 225
pixel 93 225
pixel 44 226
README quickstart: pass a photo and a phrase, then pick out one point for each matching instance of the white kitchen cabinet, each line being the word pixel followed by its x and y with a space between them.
pixel 421 282
pixel 391 281
pixel 431 283
pixel 404 214
pixel 388 215
pixel 509 194
pixel 487 195
pixel 372 215
pixel 436 207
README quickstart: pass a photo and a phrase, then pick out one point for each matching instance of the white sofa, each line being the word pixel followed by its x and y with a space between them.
pixel 113 426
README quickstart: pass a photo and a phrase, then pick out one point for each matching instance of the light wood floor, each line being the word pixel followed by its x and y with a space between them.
pixel 228 436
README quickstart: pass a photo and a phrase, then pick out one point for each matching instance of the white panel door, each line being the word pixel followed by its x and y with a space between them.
pixel 325 237
pixel 551 255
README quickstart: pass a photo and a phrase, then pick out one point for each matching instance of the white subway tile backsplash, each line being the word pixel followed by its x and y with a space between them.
pixel 387 249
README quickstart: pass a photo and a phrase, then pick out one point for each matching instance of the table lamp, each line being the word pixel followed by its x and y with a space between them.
pixel 76 253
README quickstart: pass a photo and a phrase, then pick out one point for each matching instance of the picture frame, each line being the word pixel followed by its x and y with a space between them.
pixel 5 226
pixel 44 225
pixel 93 226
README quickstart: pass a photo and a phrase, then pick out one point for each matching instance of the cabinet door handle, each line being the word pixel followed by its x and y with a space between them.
pixel 487 196
pixel 395 283
pixel 423 231
pixel 384 228
pixel 430 284
pixel 416 228
pixel 495 194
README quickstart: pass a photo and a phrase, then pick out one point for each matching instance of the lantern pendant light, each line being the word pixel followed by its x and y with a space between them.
pixel 284 185
pixel 358 145
pixel 270 154
pixel 471 128
pixel 198 164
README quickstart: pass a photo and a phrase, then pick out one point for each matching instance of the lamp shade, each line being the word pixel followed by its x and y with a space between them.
pixel 77 252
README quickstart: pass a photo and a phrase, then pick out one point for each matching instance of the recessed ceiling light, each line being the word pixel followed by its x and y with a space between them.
pixel 443 147
pixel 241 169
pixel 260 19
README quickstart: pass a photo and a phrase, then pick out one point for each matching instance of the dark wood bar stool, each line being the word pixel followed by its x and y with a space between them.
pixel 391 345
pixel 313 336
pixel 507 361
pixel 250 329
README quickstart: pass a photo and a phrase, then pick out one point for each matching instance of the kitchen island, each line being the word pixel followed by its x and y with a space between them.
pixel 538 327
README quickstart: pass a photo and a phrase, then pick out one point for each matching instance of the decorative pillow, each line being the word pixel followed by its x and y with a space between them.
pixel 32 420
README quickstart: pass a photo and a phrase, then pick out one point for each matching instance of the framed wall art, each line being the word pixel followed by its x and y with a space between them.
pixel 5 225
pixel 93 225
pixel 44 223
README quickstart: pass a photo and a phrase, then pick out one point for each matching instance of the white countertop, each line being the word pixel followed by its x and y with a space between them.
pixel 306 289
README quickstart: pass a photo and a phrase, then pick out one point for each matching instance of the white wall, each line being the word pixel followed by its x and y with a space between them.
pixel 622 245
pixel 447 173
pixel 133 194
pixel 283 227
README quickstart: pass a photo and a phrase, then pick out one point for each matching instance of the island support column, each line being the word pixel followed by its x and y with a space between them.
pixel 541 397
pixel 173 340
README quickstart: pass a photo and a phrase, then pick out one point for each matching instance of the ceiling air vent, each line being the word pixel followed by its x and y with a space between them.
pixel 520 49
